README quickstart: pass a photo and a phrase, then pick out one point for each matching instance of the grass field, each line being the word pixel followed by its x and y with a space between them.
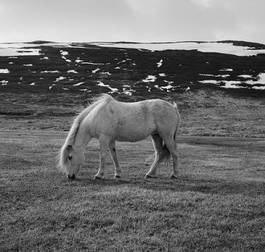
pixel 216 204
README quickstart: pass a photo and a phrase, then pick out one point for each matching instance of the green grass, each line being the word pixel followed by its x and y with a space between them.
pixel 217 203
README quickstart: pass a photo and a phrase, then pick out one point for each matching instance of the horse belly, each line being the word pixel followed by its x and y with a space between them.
pixel 135 132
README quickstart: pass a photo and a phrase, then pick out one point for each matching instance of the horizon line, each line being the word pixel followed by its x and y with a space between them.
pixel 134 42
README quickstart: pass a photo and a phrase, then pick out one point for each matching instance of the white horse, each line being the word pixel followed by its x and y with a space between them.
pixel 109 120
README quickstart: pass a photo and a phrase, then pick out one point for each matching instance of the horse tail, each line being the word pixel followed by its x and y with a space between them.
pixel 178 121
pixel 67 148
pixel 165 153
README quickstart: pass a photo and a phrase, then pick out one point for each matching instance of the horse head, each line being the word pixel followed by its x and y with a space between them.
pixel 71 159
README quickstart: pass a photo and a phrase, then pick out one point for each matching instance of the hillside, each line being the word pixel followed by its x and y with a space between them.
pixel 132 69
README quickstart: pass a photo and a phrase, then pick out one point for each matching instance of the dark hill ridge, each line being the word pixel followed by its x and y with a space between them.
pixel 92 68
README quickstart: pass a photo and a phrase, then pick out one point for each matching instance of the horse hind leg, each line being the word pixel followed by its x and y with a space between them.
pixel 113 153
pixel 158 146
pixel 171 145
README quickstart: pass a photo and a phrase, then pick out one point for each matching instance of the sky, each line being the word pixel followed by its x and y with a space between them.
pixel 132 20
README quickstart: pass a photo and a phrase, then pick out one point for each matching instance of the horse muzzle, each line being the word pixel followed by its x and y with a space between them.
pixel 71 177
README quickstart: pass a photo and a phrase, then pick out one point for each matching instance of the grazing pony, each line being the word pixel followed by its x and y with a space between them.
pixel 109 120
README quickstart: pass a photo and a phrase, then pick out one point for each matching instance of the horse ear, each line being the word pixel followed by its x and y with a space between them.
pixel 69 147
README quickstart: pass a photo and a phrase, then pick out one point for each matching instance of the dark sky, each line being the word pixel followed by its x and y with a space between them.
pixel 132 20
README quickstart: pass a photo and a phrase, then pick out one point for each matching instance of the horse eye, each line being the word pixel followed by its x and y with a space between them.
pixel 70 157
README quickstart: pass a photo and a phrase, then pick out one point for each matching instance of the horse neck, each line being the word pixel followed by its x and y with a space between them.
pixel 82 137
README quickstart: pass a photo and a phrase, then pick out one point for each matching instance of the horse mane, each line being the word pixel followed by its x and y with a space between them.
pixel 70 139
pixel 78 120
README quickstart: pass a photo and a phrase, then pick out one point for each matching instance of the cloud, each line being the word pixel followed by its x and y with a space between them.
pixel 134 20
pixel 249 21
pixel 203 3
pixel 145 6
pixel 241 31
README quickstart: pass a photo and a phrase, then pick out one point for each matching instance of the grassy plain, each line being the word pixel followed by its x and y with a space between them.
pixel 216 204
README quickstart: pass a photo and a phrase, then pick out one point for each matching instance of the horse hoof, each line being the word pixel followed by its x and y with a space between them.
pixel 71 177
pixel 149 176
pixel 97 178
pixel 117 176
pixel 173 177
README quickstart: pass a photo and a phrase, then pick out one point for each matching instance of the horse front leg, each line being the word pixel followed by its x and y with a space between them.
pixel 113 153
pixel 102 158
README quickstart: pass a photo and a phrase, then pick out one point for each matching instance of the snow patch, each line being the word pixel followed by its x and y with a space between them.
pixel 226 70
pixel 4 71
pixel 167 87
pixel 150 78
pixel 53 71
pixel 214 47
pixel 123 61
pixel 60 78
pixel 159 64
pixel 4 82
pixel 91 63
pixel 105 73
pixel 19 52
pixel 259 88
pixel 128 92
pixel 223 75
pixel 245 76
pixel 207 75
pixel 64 53
pixel 236 84
pixel 78 84
pixel 101 84
pixel 95 70
pixel 72 71
pixel 78 60
pixel 260 80
pixel 218 75
pixel 50 87
pixel 169 82
pixel 67 60
pixel 126 89
pixel 209 82
pixel 231 84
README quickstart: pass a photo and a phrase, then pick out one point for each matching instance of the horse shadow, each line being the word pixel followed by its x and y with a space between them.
pixel 184 183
